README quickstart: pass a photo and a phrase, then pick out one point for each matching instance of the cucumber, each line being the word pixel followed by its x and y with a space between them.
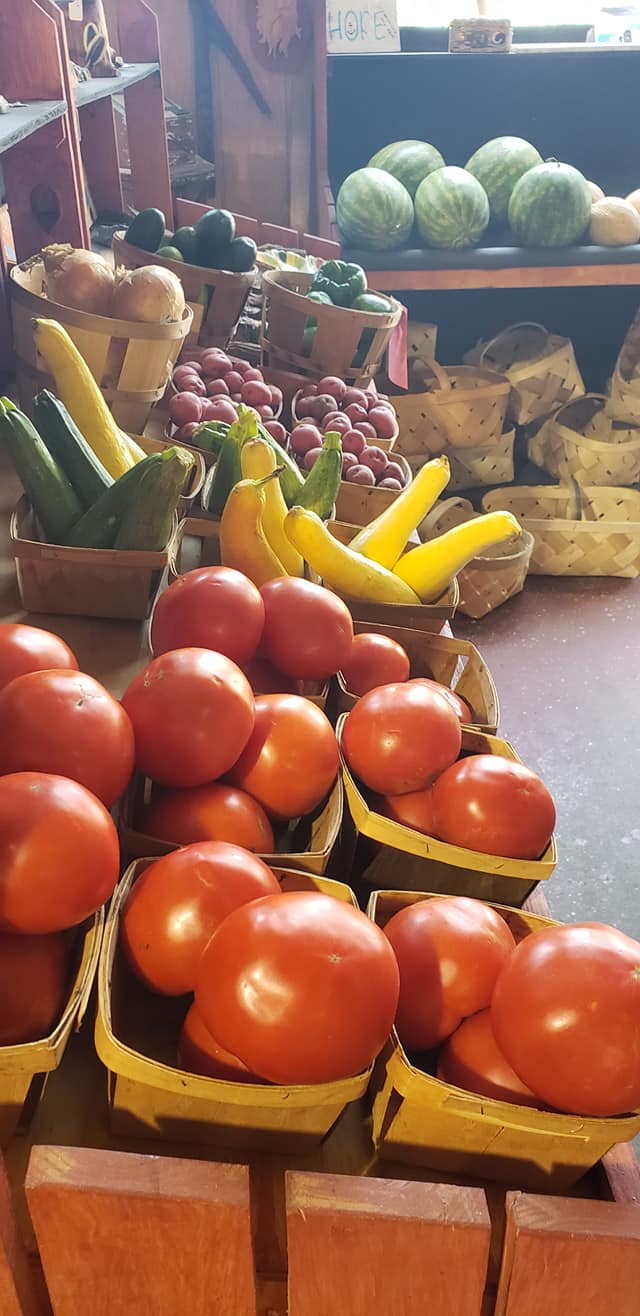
pixel 320 489
pixel 185 240
pixel 52 496
pixel 227 471
pixel 70 449
pixel 99 526
pixel 170 253
pixel 147 524
pixel 147 230
pixel 210 435
pixel 291 478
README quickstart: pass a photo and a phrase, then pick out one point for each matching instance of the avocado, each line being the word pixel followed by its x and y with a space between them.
pixel 186 241
pixel 170 253
pixel 147 230
pixel 214 232
pixel 242 255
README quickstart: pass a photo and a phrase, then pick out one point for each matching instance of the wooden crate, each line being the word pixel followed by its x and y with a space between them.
pixel 406 860
pixel 455 663
pixel 422 1120
pixel 136 1035
pixel 24 1068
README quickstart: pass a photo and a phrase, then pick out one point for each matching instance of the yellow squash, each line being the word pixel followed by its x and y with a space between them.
pixel 243 543
pixel 430 568
pixel 82 397
pixel 348 573
pixel 259 460
pixel 385 539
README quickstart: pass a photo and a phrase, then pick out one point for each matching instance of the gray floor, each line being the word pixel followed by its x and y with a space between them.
pixel 565 656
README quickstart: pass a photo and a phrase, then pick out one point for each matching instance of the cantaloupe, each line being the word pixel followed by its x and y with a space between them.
pixel 614 223
pixel 634 199
pixel 596 192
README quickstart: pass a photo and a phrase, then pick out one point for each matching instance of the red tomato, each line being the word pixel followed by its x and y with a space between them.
pixel 398 737
pixel 265 679
pixel 459 705
pixel 208 813
pixel 199 1053
pixel 566 1013
pixel 375 660
pixel 449 953
pixel 192 714
pixel 308 631
pixel 210 608
pixel 28 649
pixel 472 1059
pixel 59 853
pixel 176 905
pixel 493 805
pixel 414 810
pixel 66 723
pixel 302 987
pixel 34 973
pixel 291 760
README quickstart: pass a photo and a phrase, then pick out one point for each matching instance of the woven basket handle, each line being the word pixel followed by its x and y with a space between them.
pixel 439 373
pixel 520 324
pixel 432 519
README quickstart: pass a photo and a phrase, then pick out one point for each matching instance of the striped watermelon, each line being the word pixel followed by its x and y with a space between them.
pixel 408 161
pixel 550 206
pixel 498 165
pixel 452 209
pixel 374 210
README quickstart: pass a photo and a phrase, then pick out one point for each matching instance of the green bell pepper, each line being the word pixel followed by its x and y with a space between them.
pixel 341 281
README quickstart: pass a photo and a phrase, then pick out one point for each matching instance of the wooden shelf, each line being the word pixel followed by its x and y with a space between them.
pixel 24 120
pixel 96 89
pixel 501 267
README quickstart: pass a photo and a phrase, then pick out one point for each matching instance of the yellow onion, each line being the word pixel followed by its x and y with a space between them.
pixel 150 294
pixel 77 278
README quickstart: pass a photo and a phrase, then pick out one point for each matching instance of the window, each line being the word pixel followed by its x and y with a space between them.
pixel 439 13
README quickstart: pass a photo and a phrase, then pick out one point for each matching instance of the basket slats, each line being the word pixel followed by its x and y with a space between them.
pixel 482 466
pixel 488 581
pixel 465 410
pixel 624 387
pixel 582 442
pixel 578 531
pixel 540 366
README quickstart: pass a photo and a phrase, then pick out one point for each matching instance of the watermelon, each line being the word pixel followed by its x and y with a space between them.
pixel 408 161
pixel 374 210
pixel 550 206
pixel 452 209
pixel 498 165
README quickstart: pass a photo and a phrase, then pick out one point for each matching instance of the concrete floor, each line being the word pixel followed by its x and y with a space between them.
pixel 565 656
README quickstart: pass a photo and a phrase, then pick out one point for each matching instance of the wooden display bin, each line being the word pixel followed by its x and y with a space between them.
pixel 406 860
pixel 421 1120
pixel 454 663
pixel 136 1038
pixel 24 1069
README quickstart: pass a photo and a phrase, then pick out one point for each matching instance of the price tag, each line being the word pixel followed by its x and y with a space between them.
pixel 364 28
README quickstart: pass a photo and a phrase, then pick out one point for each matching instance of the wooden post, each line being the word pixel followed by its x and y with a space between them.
pixel 359 1246
pixel 138 42
pixel 68 81
pixel 21 1288
pixel 144 1234
pixel 569 1257
pixel 100 153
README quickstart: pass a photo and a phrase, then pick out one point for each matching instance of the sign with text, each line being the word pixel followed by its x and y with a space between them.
pixel 362 29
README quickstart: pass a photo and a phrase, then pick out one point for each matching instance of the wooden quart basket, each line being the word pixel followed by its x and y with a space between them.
pixel 131 362
pixel 450 407
pixel 624 385
pixel 346 343
pixel 407 860
pixel 136 1037
pixel 420 1120
pixel 24 1069
pixel 471 467
pixel 577 531
pixel 216 298
pixel 454 663
pixel 81 582
pixel 426 617
pixel 541 368
pixel 583 442
pixel 488 581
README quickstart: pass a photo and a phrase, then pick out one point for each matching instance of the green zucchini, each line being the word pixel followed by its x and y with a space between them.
pixel 52 496
pixel 98 528
pixel 69 447
pixel 320 489
pixel 148 520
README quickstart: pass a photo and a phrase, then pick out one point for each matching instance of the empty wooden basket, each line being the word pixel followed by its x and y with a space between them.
pixel 216 297
pixel 471 467
pixel 346 343
pixel 451 407
pixel 131 362
pixel 541 368
pixel 488 581
pixel 624 387
pixel 584 443
pixel 577 531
